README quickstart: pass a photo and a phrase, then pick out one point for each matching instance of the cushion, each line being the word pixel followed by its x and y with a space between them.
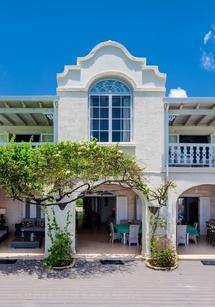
pixel 40 223
pixel 27 223
pixel 2 233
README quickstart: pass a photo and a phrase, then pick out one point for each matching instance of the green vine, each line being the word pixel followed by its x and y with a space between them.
pixel 60 252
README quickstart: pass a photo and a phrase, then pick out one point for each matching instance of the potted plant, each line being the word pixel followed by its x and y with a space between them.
pixel 162 254
pixel 60 252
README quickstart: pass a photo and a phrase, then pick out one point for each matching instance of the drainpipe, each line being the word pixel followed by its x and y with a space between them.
pixel 171 229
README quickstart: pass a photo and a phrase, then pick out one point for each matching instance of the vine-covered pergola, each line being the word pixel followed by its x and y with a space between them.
pixel 50 174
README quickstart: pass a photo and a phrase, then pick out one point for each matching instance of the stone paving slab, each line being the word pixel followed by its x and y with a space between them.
pixel 28 284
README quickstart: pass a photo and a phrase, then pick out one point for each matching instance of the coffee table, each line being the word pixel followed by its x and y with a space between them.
pixel 25 242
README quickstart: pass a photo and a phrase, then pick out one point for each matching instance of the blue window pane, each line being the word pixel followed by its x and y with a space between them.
pixel 116 101
pixel 110 86
pixel 125 124
pixel 95 113
pixel 104 101
pixel 103 136
pixel 126 101
pixel 104 113
pixel 116 112
pixel 126 113
pixel 115 136
pixel 103 124
pixel 125 136
pixel 115 124
pixel 95 134
pixel 95 125
pixel 94 101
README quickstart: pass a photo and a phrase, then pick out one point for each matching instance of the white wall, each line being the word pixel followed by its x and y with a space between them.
pixel 111 59
pixel 73 116
pixel 13 210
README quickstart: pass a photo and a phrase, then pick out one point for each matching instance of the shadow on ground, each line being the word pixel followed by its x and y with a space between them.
pixel 82 269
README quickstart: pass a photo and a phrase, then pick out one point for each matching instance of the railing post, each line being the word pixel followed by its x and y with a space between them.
pixel 192 154
pixel 210 155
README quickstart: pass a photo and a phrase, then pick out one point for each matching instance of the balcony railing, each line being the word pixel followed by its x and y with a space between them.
pixel 193 155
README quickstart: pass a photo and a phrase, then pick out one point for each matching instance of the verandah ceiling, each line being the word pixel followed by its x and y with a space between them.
pixel 27 111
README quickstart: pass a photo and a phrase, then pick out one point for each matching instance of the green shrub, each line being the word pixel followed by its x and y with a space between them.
pixel 60 251
pixel 163 254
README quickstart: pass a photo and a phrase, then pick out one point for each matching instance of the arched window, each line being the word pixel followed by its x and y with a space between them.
pixel 110 103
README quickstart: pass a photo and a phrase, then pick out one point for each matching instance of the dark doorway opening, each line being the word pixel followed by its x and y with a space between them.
pixel 98 212
pixel 188 210
pixel 194 139
pixel 26 137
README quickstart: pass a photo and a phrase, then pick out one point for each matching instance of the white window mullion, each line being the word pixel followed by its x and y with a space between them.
pixel 89 118
pixel 99 118
pixel 121 119
pixel 131 99
pixel 110 118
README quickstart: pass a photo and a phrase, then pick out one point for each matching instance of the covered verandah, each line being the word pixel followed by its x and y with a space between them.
pixel 114 205
pixel 194 210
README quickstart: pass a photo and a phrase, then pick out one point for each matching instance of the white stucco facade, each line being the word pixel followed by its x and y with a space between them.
pixel 155 121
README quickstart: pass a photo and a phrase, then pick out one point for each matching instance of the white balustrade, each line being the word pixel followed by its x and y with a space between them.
pixel 181 154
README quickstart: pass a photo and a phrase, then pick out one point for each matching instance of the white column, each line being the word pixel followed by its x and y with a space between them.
pixel 171 218
pixel 61 216
pixel 55 122
pixel 145 230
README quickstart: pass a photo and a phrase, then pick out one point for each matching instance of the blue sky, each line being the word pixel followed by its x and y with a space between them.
pixel 37 38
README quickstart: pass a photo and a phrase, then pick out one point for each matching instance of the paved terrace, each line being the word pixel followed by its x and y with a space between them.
pixel 91 284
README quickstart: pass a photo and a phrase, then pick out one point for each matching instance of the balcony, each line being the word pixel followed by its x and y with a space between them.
pixel 191 155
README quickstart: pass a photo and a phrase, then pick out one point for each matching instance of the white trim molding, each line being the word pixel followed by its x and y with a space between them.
pixel 92 53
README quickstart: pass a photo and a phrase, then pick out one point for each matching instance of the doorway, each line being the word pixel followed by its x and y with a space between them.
pixel 98 212
pixel 188 210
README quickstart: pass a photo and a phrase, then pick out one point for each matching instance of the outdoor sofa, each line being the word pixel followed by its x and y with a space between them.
pixel 3 233
pixel 31 225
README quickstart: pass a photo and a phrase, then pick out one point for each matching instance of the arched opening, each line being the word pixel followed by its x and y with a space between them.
pixel 110 111
pixel 195 212
pixel 110 204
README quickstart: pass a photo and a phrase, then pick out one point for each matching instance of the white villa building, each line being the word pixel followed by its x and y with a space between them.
pixel 117 98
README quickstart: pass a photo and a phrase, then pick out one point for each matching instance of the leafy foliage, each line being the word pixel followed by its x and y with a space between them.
pixel 160 195
pixel 49 174
pixel 163 254
pixel 60 250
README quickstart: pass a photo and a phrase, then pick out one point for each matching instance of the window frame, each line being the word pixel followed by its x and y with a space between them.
pixel 110 118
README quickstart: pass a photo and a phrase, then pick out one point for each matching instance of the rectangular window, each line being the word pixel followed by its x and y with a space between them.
pixel 110 118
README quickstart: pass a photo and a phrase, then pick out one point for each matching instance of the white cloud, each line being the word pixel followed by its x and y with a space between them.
pixel 207 61
pixel 207 37
pixel 177 93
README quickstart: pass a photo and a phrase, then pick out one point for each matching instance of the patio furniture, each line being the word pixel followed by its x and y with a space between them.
pixel 113 234
pixel 123 221
pixel 133 236
pixel 137 222
pixel 212 240
pixel 182 235
pixel 29 225
pixel 193 232
pixel 123 229
pixel 26 242
pixel 3 233
pixel 210 237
